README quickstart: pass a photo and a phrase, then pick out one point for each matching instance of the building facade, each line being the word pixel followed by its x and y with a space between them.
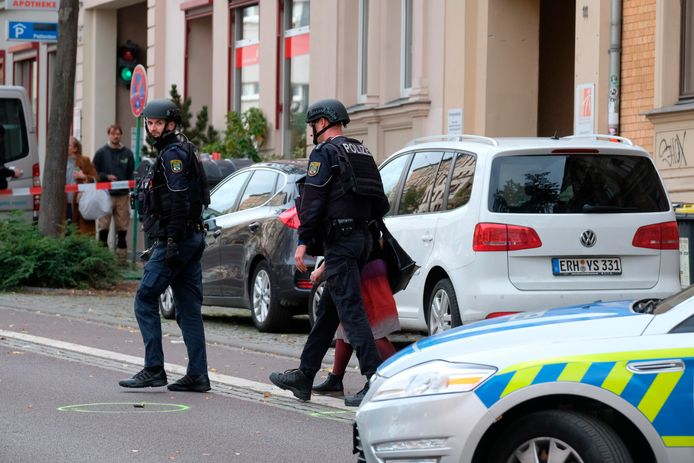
pixel 29 64
pixel 658 83
pixel 406 68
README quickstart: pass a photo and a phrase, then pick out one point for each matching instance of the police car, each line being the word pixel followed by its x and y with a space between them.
pixel 596 383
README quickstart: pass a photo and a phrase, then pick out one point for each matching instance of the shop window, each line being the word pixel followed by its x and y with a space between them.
pixel 295 76
pixel 406 47
pixel 26 74
pixel 2 67
pixel 687 59
pixel 363 47
pixel 246 57
pixel 50 69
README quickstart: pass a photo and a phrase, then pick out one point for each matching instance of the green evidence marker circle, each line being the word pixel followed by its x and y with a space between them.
pixel 124 407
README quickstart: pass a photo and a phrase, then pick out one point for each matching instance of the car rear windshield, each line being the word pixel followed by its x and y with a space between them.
pixel 575 184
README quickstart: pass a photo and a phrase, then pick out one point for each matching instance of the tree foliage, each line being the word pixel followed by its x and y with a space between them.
pixel 243 137
pixel 74 261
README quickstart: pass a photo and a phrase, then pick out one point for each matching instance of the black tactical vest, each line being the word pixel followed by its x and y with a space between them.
pixel 155 198
pixel 359 182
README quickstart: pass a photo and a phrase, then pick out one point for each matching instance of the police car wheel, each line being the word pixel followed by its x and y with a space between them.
pixel 443 313
pixel 167 304
pixel 559 436
pixel 266 311
pixel 314 300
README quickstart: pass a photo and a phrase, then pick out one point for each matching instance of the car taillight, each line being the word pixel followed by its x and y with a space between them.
pixel 36 176
pixel 504 237
pixel 304 284
pixel 290 218
pixel 663 235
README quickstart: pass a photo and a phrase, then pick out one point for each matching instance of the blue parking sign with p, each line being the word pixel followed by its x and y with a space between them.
pixel 28 31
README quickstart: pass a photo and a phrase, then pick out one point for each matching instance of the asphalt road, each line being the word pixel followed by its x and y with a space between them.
pixel 62 354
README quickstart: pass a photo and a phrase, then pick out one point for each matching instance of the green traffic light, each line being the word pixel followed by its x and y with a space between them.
pixel 126 74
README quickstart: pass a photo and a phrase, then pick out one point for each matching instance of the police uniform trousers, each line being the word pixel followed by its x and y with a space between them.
pixel 341 301
pixel 186 283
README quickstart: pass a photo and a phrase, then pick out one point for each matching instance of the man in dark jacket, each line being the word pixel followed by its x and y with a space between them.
pixel 115 162
pixel 342 194
pixel 172 196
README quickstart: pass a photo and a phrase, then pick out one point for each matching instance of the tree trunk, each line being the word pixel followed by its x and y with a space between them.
pixel 53 205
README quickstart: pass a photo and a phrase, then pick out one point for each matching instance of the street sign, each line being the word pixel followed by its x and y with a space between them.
pixel 36 5
pixel 138 90
pixel 27 31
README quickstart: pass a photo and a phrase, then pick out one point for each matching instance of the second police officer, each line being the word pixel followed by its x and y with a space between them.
pixel 342 194
pixel 172 197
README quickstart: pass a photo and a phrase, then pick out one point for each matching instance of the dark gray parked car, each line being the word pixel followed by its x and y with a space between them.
pixel 251 239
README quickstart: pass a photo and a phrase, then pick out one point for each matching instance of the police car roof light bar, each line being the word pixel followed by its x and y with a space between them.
pixel 461 137
pixel 602 136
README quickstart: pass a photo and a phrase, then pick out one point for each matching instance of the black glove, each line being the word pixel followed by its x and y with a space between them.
pixel 172 256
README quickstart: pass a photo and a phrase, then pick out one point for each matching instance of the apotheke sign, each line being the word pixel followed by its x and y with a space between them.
pixel 39 5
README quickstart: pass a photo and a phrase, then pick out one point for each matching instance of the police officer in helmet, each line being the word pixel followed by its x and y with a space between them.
pixel 172 196
pixel 341 196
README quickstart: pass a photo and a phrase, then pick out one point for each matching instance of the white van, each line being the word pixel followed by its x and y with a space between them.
pixel 18 149
pixel 503 225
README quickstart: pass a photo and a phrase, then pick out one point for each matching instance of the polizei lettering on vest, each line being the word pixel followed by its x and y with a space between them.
pixel 357 149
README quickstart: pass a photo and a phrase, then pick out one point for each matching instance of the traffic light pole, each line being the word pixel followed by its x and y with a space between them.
pixel 135 203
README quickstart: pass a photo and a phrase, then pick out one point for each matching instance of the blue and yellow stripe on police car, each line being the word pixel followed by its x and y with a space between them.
pixel 664 398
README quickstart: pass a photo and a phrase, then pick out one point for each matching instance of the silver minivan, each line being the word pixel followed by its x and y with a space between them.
pixel 18 150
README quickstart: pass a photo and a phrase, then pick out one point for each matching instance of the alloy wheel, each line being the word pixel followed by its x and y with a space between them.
pixel 545 450
pixel 261 295
pixel 439 313
pixel 167 305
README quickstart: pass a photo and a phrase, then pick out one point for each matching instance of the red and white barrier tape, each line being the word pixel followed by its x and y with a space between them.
pixel 72 188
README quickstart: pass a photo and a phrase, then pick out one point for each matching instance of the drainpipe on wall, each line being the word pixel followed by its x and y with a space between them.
pixel 615 58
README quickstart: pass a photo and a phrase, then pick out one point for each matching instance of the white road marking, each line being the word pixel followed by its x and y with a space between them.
pixel 233 381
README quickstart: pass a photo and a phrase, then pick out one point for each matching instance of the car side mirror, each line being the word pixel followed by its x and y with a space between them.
pixel 211 225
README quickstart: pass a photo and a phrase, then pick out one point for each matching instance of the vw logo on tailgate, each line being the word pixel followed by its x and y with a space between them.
pixel 588 238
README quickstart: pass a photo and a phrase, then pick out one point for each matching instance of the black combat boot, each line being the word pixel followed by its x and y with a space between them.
pixel 331 385
pixel 355 400
pixel 294 380
pixel 148 377
pixel 191 384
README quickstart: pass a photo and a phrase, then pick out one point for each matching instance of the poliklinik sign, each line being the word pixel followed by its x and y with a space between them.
pixel 44 5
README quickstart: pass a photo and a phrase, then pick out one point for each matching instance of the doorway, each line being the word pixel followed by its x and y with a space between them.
pixel 556 68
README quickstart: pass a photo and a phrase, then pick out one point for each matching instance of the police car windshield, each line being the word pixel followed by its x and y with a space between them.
pixel 672 301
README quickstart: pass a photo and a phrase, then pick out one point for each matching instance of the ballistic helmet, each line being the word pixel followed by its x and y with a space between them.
pixel 162 109
pixel 333 110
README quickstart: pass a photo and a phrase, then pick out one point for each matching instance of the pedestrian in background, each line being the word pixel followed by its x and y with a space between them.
pixel 381 311
pixel 79 170
pixel 115 162
pixel 342 193
pixel 172 196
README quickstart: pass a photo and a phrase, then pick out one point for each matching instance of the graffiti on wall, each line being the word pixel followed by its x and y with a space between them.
pixel 671 149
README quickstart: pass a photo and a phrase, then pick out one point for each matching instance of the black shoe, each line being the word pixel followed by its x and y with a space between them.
pixel 355 400
pixel 331 385
pixel 145 378
pixel 191 384
pixel 295 381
